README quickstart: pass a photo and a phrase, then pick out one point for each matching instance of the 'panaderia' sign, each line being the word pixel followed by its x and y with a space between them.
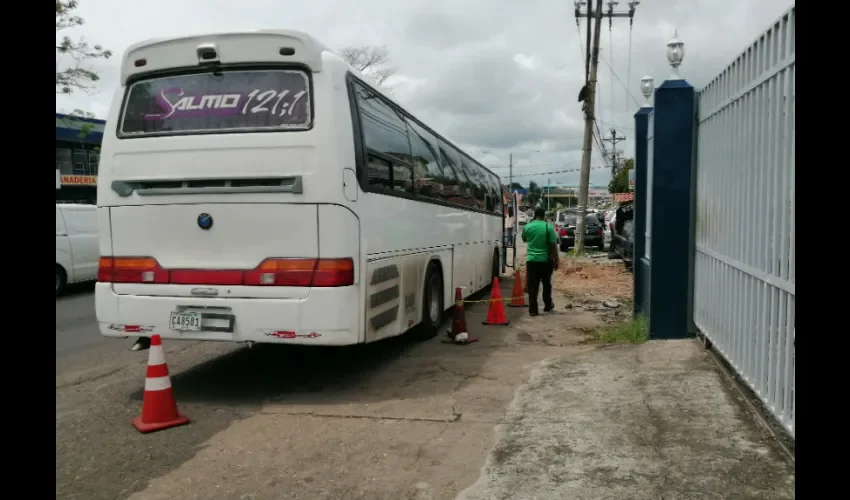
pixel 78 180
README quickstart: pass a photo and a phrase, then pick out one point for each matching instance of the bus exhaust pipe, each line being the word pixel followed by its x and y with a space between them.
pixel 141 344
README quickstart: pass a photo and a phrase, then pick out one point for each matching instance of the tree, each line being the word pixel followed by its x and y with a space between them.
pixel 533 194
pixel 620 182
pixel 372 61
pixel 72 119
pixel 71 55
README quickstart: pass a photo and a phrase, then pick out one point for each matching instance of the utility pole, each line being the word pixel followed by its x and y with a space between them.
pixel 589 118
pixel 512 207
pixel 588 95
pixel 511 175
pixel 614 139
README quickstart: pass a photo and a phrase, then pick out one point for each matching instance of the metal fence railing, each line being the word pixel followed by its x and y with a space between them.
pixel 744 281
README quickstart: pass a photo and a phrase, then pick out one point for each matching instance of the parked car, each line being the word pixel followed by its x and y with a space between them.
pixel 522 218
pixel 561 217
pixel 622 234
pixel 566 226
pixel 77 251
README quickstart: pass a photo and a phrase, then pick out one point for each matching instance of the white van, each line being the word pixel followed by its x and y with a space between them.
pixel 76 244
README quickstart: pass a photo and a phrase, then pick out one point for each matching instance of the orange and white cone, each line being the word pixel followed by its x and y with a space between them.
pixel 159 409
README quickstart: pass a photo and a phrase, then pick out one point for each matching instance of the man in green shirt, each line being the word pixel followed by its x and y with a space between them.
pixel 541 259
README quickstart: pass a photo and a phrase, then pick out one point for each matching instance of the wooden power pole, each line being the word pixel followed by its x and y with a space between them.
pixel 588 95
pixel 589 119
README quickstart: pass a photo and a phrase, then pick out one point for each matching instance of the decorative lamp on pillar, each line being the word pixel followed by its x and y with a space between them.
pixel 675 54
pixel 647 86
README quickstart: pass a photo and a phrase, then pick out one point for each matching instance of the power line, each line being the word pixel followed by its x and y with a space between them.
pixel 567 171
pixel 598 138
pixel 600 147
pixel 540 166
pixel 621 81
pixel 581 49
pixel 603 122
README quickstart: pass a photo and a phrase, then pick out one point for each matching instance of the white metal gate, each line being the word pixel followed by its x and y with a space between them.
pixel 744 264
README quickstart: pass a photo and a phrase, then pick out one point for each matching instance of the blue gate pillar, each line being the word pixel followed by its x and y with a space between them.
pixel 640 264
pixel 669 231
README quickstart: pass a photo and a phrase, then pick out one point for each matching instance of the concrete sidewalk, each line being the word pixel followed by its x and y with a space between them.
pixel 652 421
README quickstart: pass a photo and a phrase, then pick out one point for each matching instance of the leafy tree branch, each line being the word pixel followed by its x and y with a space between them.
pixel 72 55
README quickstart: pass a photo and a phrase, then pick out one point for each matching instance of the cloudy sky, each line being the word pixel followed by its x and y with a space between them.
pixel 496 76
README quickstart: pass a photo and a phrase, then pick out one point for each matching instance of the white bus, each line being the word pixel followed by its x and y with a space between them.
pixel 256 188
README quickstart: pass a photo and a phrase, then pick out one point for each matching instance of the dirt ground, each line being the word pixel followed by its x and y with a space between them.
pixel 593 279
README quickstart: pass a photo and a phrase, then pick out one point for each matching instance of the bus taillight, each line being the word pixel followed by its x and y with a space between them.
pixel 302 272
pixel 270 272
pixel 282 272
pixel 334 272
pixel 130 270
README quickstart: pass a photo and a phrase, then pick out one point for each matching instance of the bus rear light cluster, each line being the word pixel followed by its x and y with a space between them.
pixel 270 272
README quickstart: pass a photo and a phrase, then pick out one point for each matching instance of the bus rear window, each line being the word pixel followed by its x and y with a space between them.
pixel 229 101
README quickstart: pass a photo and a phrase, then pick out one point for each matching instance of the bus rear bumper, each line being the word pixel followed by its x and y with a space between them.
pixel 328 316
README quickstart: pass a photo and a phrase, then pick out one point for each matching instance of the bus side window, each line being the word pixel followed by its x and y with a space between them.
pixel 378 172
pixel 385 139
pixel 495 192
pixel 428 172
pixel 461 186
pixel 476 177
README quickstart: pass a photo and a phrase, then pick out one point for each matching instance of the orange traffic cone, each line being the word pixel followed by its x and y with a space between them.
pixel 159 409
pixel 459 317
pixel 496 314
pixel 517 295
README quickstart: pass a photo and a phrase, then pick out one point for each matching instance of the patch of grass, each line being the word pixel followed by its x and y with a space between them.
pixel 634 331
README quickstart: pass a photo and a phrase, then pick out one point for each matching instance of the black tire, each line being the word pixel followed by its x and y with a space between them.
pixel 61 280
pixel 431 321
pixel 601 247
pixel 565 248
pixel 496 269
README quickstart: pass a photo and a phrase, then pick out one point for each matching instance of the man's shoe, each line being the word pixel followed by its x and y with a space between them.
pixel 532 314
pixel 549 308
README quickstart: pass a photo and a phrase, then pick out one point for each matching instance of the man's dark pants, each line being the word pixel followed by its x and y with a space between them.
pixel 537 272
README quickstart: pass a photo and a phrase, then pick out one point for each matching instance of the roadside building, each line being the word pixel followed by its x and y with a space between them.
pixel 77 158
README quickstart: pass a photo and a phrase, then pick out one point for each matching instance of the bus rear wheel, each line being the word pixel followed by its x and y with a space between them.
pixel 432 304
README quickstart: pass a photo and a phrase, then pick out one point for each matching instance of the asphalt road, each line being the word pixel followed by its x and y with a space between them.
pixel 394 420
pixel 76 326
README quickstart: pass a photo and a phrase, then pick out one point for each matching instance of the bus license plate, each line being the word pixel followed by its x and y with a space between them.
pixel 185 321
